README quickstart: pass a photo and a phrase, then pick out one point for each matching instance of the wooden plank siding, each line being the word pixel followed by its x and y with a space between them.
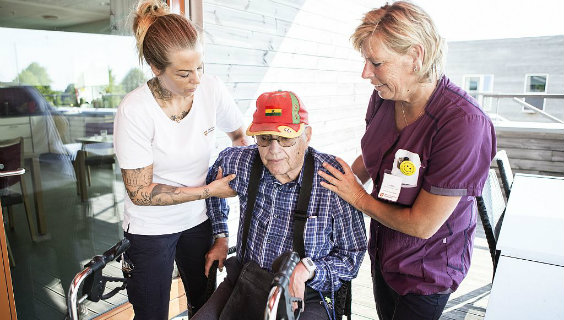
pixel 302 46
pixel 536 152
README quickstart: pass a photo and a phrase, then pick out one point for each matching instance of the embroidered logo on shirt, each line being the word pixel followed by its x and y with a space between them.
pixel 209 130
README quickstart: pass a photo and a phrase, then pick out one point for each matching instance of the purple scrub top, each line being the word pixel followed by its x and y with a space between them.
pixel 455 143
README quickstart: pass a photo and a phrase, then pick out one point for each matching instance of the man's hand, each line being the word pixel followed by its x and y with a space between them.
pixel 297 283
pixel 217 252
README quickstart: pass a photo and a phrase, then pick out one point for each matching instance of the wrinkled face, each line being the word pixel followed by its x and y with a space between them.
pixel 391 73
pixel 184 73
pixel 285 163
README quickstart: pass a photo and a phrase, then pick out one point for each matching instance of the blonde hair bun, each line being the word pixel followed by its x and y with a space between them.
pixel 146 13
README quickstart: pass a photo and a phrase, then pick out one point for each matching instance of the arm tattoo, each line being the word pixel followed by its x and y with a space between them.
pixel 135 180
pixel 137 183
pixel 165 195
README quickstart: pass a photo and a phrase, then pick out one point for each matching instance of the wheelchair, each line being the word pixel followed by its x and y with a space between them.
pixel 90 284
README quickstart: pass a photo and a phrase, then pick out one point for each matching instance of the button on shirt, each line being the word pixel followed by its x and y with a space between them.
pixel 334 234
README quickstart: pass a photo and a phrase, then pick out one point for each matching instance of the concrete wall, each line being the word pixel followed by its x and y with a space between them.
pixel 509 61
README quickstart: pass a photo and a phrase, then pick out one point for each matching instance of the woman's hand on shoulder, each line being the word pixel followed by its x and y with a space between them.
pixel 220 186
pixel 238 138
pixel 345 185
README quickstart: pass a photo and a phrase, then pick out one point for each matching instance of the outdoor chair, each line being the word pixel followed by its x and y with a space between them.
pixel 11 157
pixel 491 207
pixel 505 171
pixel 94 154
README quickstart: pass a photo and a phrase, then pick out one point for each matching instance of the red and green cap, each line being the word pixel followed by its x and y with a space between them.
pixel 279 112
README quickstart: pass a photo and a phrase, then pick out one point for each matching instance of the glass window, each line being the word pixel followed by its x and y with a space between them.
pixel 476 84
pixel 473 84
pixel 535 83
pixel 66 65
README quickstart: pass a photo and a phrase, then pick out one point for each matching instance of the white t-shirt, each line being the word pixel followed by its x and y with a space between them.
pixel 180 152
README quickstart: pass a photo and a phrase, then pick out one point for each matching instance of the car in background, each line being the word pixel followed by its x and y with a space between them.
pixel 24 112
pixel 23 101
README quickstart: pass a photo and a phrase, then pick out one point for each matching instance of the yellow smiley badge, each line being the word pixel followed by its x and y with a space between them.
pixel 407 168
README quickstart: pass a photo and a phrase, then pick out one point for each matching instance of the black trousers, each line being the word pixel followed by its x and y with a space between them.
pixel 153 258
pixel 392 306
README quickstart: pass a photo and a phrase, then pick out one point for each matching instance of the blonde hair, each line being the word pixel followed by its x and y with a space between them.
pixel 400 26
pixel 157 32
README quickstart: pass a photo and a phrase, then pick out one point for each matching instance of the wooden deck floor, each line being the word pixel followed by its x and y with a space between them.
pixel 468 302
pixel 44 270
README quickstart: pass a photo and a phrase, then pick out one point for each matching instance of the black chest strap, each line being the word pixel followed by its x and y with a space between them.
pixel 300 214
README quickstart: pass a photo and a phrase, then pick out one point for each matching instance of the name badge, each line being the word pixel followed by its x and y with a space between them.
pixel 391 187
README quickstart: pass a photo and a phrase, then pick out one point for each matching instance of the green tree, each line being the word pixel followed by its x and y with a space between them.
pixel 111 87
pixel 34 75
pixel 133 79
pixel 37 76
pixel 113 94
pixel 69 97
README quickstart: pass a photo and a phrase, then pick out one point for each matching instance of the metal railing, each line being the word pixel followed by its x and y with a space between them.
pixel 503 106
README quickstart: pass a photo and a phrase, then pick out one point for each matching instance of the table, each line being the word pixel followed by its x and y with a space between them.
pixel 524 289
pixel 533 227
pixel 95 139
pixel 529 280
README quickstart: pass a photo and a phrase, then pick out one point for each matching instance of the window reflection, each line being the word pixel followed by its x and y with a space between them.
pixel 66 65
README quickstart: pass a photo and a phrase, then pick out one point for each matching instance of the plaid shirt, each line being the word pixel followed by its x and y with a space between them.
pixel 334 234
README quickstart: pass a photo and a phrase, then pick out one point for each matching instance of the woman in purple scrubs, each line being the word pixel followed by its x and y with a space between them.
pixel 427 148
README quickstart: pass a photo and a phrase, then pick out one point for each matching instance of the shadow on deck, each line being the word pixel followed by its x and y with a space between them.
pixel 468 302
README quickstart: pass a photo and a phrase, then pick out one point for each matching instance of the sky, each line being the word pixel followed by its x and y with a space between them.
pixel 495 19
pixel 80 58
pixel 85 58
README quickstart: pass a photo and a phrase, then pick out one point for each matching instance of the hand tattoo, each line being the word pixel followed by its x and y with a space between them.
pixel 206 193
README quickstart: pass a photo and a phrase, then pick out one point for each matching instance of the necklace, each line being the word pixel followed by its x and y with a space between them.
pixel 403 113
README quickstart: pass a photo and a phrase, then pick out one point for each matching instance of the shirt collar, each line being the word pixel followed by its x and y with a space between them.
pixel 267 175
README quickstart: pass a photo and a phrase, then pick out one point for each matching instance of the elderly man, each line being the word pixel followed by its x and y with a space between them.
pixel 334 239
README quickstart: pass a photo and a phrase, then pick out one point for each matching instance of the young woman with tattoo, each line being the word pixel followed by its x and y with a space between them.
pixel 164 138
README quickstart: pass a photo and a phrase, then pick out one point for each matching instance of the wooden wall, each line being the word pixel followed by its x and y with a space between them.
pixel 256 46
pixel 535 151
